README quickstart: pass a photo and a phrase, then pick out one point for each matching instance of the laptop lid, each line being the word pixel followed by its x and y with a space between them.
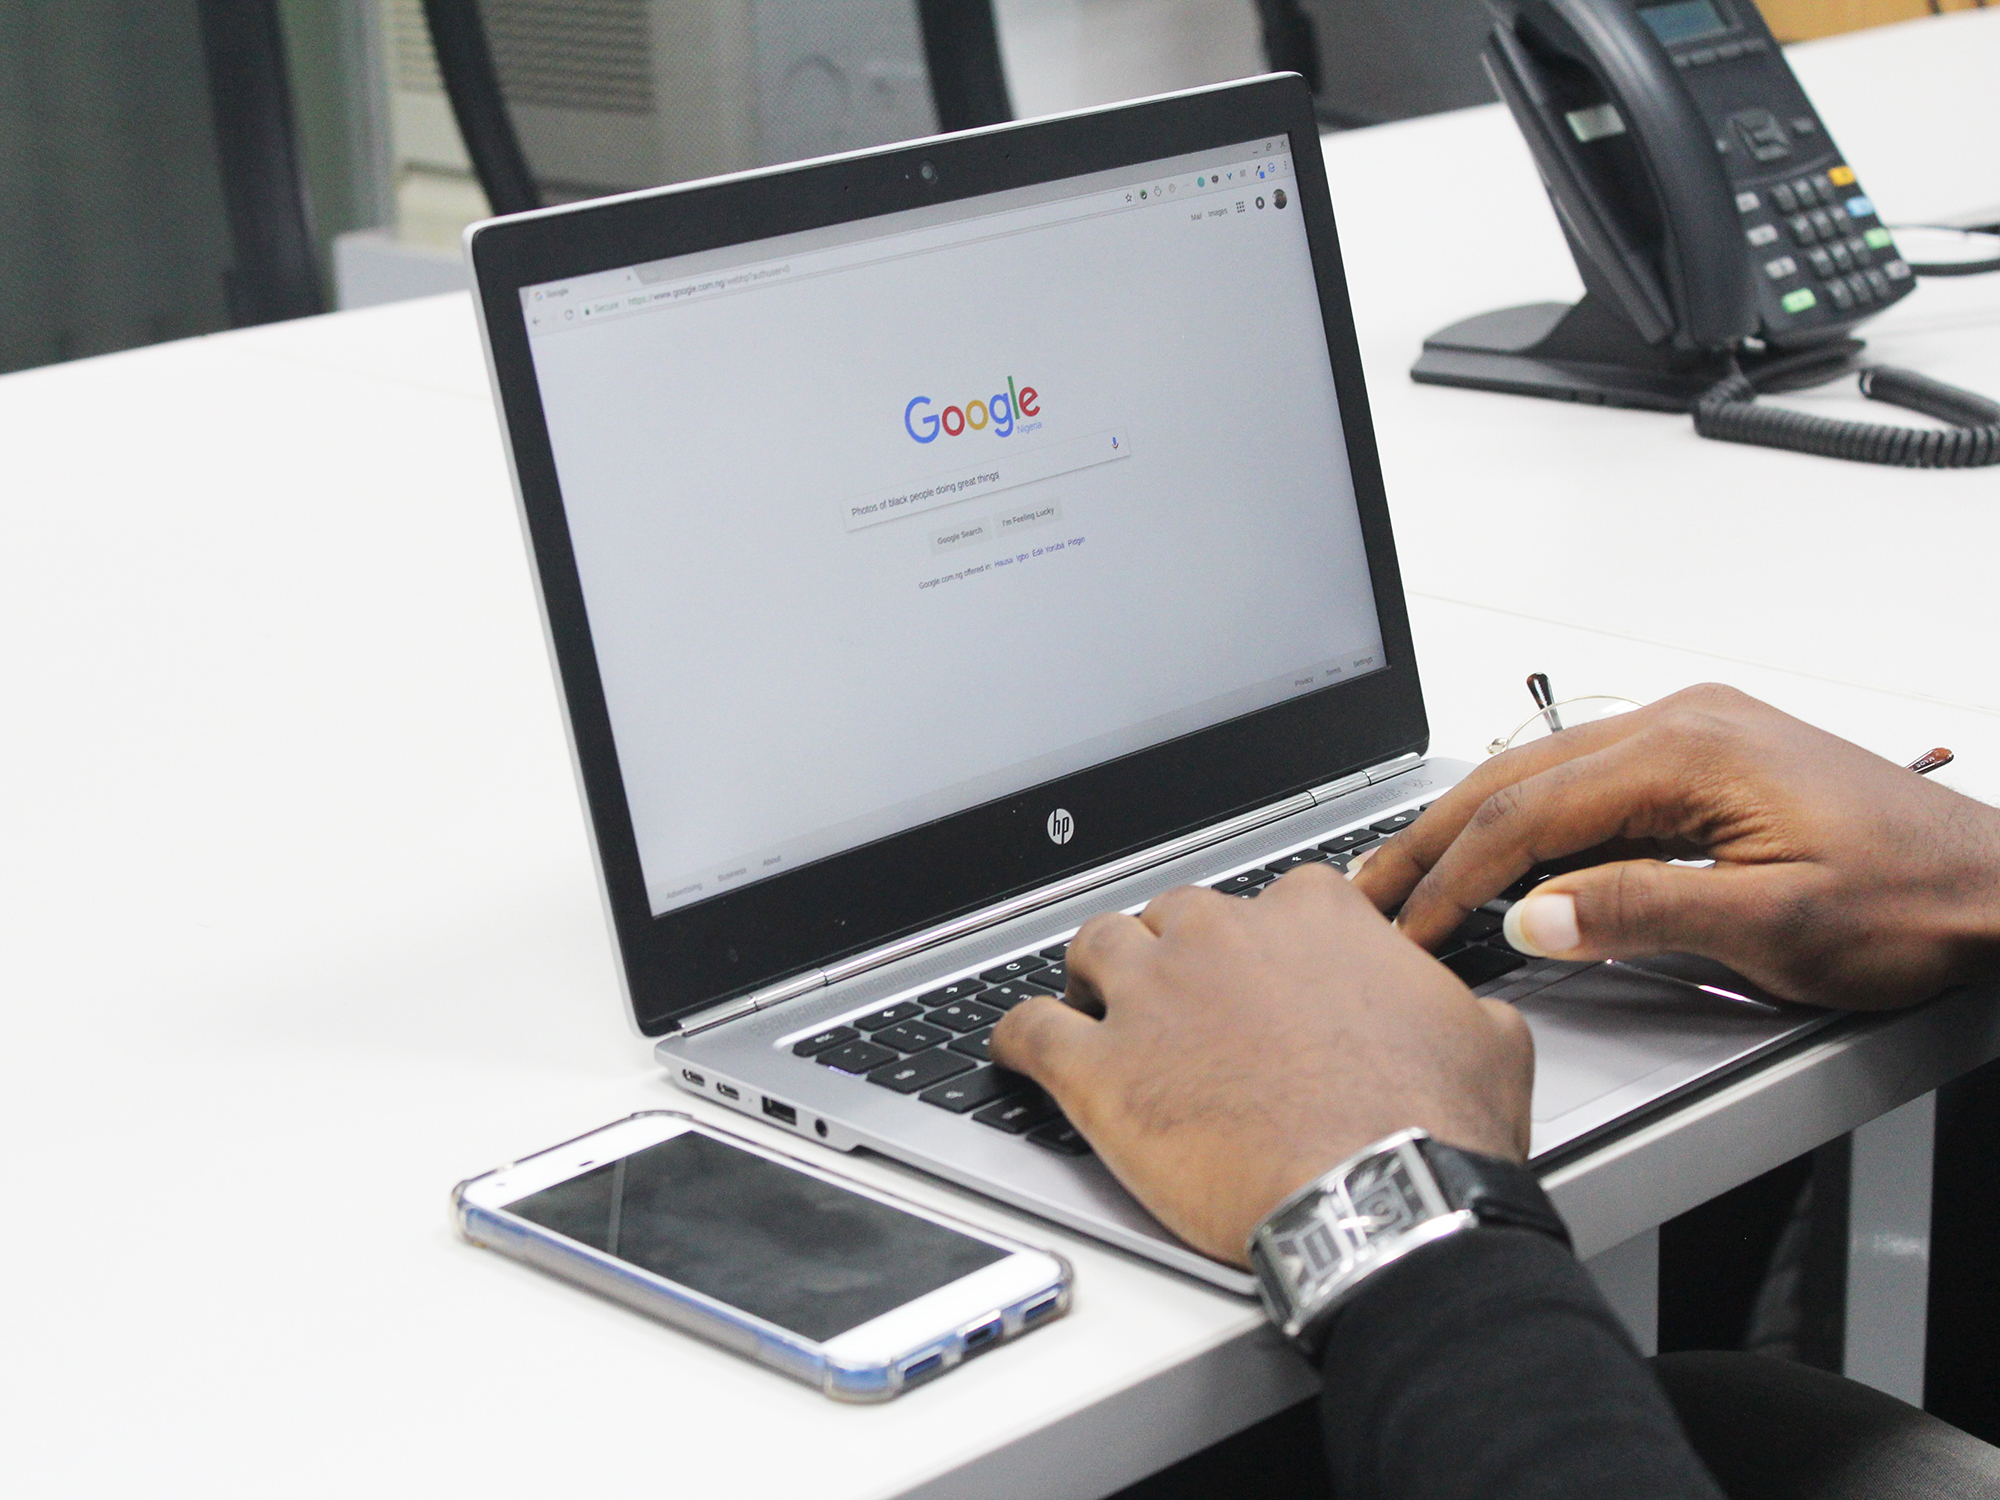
pixel 918 527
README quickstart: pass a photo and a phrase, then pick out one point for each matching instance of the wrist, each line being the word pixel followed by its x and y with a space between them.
pixel 1964 925
pixel 1323 1244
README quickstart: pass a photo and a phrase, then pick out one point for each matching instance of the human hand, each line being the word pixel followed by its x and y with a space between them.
pixel 1840 878
pixel 1240 1048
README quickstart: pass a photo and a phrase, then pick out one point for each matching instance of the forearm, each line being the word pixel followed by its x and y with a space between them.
pixel 1488 1366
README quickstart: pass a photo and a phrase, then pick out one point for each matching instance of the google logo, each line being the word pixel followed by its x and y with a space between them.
pixel 997 410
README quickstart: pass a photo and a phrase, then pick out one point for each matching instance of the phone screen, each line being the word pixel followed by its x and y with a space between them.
pixel 776 1243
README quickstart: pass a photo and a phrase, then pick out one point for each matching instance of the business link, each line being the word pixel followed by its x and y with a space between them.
pixel 1012 560
pixel 997 411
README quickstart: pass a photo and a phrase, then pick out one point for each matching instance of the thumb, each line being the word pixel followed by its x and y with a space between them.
pixel 1043 1038
pixel 1642 906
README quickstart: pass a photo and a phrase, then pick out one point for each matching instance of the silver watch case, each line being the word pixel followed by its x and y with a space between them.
pixel 1314 1250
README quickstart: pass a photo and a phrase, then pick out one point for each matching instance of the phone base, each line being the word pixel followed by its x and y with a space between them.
pixel 1580 352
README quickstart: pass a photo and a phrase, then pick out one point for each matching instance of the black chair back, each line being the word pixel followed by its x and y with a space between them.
pixel 276 271
pixel 1371 61
pixel 492 58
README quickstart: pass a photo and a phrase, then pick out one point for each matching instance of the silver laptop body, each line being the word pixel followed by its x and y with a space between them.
pixel 942 544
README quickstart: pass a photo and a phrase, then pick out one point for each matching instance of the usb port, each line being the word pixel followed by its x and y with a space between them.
pixel 727 1090
pixel 1041 1309
pixel 781 1112
pixel 693 1077
pixel 978 1338
pixel 917 1369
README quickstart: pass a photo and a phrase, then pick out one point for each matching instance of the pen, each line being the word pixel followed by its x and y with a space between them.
pixel 1545 699
pixel 1931 760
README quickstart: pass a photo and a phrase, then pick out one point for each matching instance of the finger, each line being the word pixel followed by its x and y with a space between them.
pixel 1106 945
pixel 1048 1041
pixel 1390 871
pixel 1629 789
pixel 1317 884
pixel 1172 907
pixel 1741 915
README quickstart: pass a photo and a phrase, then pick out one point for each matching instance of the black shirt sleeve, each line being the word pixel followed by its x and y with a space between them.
pixel 1487 1365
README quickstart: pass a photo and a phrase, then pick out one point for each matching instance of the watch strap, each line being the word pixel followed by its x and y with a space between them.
pixel 1495 1190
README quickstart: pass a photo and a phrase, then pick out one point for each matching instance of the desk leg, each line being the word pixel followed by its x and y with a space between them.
pixel 1629 1277
pixel 1889 1250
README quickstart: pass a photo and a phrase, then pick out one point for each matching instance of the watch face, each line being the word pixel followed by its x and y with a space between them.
pixel 1387 1198
pixel 1326 1237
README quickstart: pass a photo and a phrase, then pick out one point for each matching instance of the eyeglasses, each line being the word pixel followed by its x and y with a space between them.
pixel 1552 716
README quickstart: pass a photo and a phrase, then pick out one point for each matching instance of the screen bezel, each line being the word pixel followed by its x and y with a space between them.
pixel 694 957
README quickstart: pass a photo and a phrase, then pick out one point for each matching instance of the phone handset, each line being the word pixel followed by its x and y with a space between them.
pixel 1604 107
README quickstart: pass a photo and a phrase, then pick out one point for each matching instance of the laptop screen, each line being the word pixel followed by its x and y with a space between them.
pixel 881 522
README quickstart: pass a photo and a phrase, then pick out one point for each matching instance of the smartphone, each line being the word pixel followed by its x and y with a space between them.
pixel 835 1284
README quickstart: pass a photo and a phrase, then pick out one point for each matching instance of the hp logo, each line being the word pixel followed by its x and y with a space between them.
pixel 1061 826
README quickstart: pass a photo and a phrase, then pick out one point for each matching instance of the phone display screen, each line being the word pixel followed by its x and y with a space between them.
pixel 1684 20
pixel 782 1245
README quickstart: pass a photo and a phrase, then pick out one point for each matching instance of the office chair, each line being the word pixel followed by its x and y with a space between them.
pixel 275 274
pixel 559 102
pixel 150 187
pixel 1371 61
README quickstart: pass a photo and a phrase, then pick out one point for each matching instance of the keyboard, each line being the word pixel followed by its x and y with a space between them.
pixel 933 1046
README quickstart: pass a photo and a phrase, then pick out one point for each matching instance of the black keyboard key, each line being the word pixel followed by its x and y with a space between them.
pixel 857 1057
pixel 971 1090
pixel 1056 954
pixel 921 1071
pixel 1015 968
pixel 911 1036
pixel 967 1015
pixel 975 1045
pixel 1395 823
pixel 833 1036
pixel 1292 861
pixel 1019 1115
pixel 1481 926
pixel 1061 1136
pixel 958 989
pixel 1479 963
pixel 1054 977
pixel 889 1015
pixel 1345 842
pixel 1007 996
pixel 1247 884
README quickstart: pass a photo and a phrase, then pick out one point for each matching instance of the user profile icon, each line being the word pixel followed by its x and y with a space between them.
pixel 1279 197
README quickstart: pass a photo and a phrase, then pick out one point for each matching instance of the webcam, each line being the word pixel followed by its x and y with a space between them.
pixel 928 171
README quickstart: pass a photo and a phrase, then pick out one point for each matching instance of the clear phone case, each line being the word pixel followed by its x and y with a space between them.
pixel 746 1334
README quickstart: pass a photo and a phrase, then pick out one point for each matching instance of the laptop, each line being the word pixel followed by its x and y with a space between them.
pixel 943 543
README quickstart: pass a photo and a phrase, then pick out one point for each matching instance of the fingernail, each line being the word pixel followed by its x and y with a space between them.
pixel 1542 926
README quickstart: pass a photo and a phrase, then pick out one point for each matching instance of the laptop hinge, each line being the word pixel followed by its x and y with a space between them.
pixel 1333 789
pixel 1048 895
pixel 756 1000
pixel 1405 762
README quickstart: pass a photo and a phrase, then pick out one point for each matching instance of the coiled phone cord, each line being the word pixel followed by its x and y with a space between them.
pixel 1728 411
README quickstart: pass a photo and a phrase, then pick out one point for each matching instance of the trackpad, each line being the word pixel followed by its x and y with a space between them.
pixel 1607 1027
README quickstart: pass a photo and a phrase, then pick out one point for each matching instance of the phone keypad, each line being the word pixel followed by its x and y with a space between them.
pixel 1843 257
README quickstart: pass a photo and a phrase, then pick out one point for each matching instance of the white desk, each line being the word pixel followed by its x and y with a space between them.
pixel 297 926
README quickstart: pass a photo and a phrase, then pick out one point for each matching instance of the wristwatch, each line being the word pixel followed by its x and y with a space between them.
pixel 1315 1250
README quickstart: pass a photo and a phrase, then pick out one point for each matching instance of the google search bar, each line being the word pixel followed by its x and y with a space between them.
pixel 987 476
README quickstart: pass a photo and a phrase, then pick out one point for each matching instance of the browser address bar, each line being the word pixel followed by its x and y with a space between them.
pixel 659 289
